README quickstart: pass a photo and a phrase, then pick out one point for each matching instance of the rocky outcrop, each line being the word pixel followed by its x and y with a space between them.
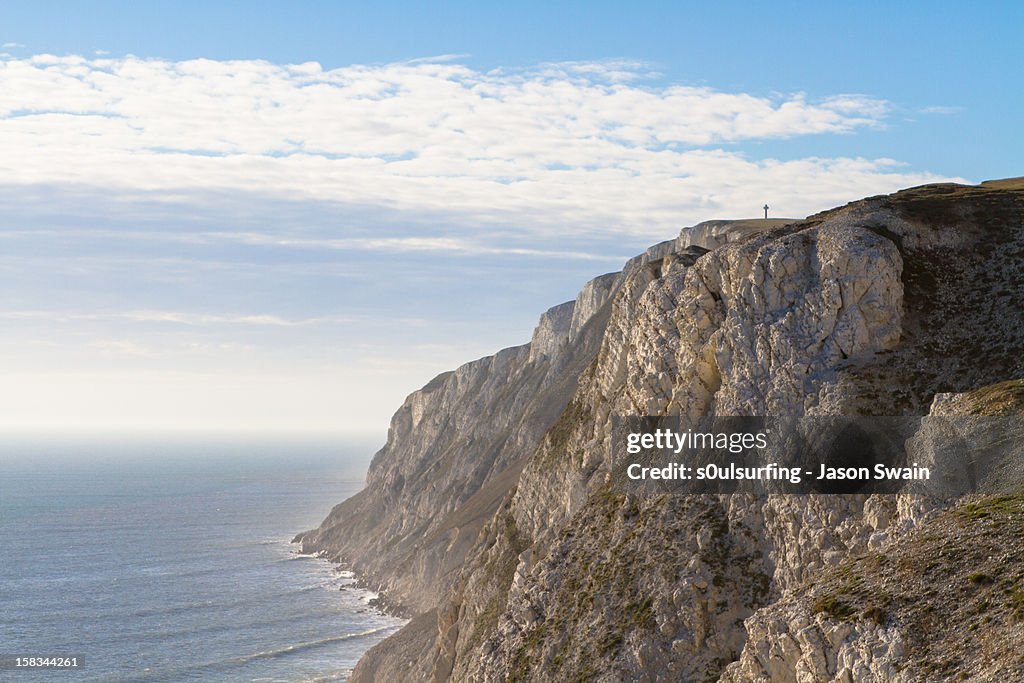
pixel 887 306
pixel 714 234
pixel 943 602
pixel 937 599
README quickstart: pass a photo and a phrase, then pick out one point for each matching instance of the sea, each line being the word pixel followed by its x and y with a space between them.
pixel 169 558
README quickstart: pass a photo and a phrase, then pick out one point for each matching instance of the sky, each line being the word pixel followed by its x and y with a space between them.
pixel 260 216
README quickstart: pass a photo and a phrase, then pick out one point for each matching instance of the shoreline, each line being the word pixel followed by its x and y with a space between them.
pixel 380 600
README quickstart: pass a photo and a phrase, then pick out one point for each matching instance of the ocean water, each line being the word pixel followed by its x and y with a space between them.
pixel 159 559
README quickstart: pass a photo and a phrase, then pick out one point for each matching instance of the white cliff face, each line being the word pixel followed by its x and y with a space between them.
pixel 454 448
pixel 751 328
pixel 809 321
pixel 755 327
pixel 552 332
pixel 764 323
pixel 874 308
pixel 591 298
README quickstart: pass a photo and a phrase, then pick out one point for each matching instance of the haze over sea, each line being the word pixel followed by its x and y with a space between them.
pixel 170 560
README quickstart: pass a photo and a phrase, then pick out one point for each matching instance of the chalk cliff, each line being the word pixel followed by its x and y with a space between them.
pixel 490 515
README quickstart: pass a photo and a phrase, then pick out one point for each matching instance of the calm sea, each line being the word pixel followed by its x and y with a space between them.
pixel 169 560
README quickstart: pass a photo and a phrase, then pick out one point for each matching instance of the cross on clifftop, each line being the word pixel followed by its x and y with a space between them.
pixel 766 212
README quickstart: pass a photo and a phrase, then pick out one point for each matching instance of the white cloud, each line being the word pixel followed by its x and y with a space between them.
pixel 586 147
pixel 11 46
pixel 177 317
pixel 942 109
pixel 165 223
pixel 449 245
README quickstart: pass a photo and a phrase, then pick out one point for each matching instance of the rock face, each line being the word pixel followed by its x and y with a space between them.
pixel 454 449
pixel 490 511
pixel 939 595
pixel 943 602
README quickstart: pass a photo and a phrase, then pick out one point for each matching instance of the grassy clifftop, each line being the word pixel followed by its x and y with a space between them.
pixel 953 590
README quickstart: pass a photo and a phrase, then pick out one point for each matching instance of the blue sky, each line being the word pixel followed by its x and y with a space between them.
pixel 256 215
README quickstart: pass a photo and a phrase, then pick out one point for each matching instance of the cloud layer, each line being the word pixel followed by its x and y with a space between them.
pixel 244 243
pixel 584 146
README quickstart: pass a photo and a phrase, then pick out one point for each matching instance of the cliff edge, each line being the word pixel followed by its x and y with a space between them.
pixel 489 512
